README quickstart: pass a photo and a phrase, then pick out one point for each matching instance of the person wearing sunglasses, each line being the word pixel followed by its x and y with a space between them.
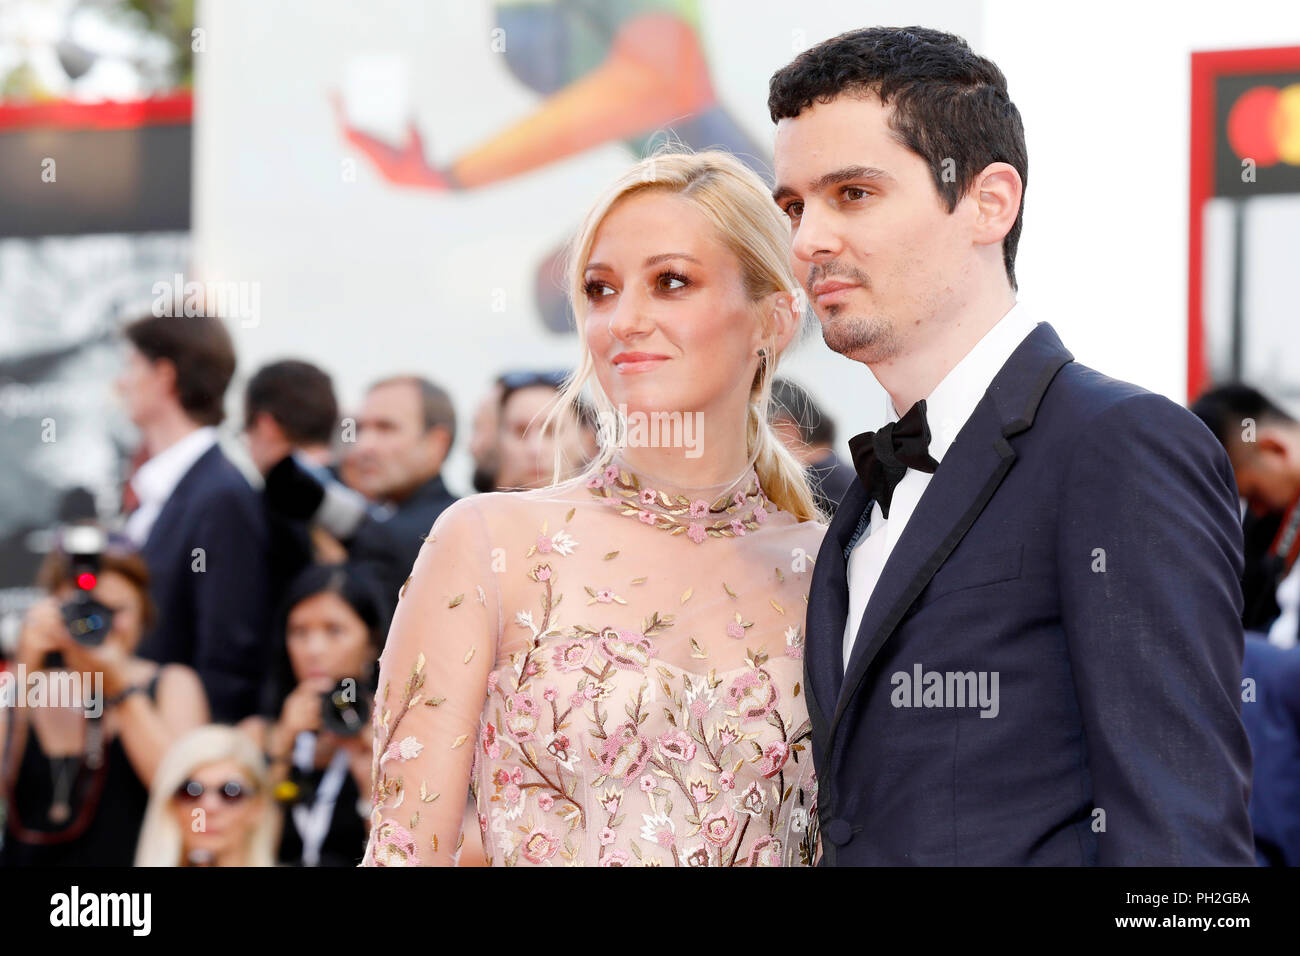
pixel 210 804
pixel 75 775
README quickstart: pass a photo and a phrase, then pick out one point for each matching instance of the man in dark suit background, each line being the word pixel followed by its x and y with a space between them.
pixel 1024 642
pixel 200 526
pixel 808 432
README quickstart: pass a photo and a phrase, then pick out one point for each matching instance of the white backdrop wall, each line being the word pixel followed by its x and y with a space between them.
pixel 368 280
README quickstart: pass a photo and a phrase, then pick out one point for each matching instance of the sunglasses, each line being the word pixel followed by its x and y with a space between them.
pixel 232 791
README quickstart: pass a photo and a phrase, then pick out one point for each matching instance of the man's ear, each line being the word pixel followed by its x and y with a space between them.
pixel 165 369
pixel 439 441
pixel 1271 440
pixel 997 192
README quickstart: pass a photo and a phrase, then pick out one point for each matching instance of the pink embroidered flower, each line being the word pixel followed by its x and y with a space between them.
pixel 719 827
pixel 647 517
pixel 604 595
pixel 728 735
pixel 760 515
pixel 698 857
pixel 766 851
pixel 610 801
pixel 517 775
pixel 611 474
pixel 774 757
pixel 700 791
pixel 626 650
pixel 558 747
pixel 521 717
pixel 607 836
pixel 647 783
pixel 512 795
pixel 596 481
pixel 394 846
pixel 542 572
pixel 540 845
pixel 577 699
pixel 794 651
pixel 699 708
pixel 695 532
pixel 647 496
pixel 492 683
pixel 676 745
pixel 573 655
pixel 659 828
pixel 735 629
pixel 488 737
pixel 544 544
pixel 737 527
pixel 727 781
pixel 549 694
pixel 699 509
pixel 738 498
pixel 408 748
pixel 752 695
pixel 625 753
pixel 544 802
pixel 616 858
pixel 751 800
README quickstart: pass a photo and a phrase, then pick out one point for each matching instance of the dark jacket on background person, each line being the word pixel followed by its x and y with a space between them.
pixel 1271 713
pixel 207 554
pixel 390 543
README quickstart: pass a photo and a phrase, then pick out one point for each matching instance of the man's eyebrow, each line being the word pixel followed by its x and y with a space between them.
pixel 842 175
pixel 652 261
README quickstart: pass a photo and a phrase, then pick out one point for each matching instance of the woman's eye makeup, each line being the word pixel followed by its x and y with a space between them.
pixel 665 281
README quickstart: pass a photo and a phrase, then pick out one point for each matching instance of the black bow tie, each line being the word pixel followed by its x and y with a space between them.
pixel 883 457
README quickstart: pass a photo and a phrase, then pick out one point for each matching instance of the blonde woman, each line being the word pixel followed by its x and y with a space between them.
pixel 210 804
pixel 613 663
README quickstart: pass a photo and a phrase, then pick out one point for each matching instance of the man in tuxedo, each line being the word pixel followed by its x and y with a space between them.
pixel 200 526
pixel 1024 639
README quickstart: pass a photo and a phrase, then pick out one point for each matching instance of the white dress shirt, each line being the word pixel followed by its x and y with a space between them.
pixel 155 480
pixel 947 409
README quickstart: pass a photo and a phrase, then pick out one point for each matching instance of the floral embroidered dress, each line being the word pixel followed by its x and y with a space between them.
pixel 613 667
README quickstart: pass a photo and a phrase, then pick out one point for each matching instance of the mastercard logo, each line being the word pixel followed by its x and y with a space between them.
pixel 1264 125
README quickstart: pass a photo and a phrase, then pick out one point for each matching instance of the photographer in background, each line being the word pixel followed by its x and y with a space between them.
pixel 316 732
pixel 75 778
pixel 200 527
pixel 290 417
pixel 404 431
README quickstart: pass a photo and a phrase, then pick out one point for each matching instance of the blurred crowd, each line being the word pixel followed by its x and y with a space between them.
pixel 195 687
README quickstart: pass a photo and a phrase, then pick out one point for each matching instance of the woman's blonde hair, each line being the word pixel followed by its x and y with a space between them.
pixel 733 198
pixel 161 841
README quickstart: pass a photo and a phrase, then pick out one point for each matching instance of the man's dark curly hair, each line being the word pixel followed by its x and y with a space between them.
pixel 948 103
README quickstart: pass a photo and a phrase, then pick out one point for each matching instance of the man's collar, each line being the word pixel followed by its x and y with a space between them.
pixel 949 405
pixel 157 478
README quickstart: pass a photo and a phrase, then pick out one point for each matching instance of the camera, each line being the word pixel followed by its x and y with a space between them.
pixel 87 620
pixel 346 709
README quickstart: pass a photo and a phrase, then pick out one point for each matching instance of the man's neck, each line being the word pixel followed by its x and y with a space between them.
pixel 914 374
pixel 166 430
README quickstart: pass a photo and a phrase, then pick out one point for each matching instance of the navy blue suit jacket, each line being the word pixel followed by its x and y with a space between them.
pixel 1081 541
pixel 216 619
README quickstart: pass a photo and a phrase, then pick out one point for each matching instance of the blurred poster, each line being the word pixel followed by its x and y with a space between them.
pixel 1245 221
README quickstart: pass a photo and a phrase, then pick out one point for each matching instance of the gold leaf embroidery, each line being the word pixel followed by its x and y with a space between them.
pixel 470 655
pixel 455 602
pixel 460 741
pixel 779 608
pixel 611 556
pixel 727 589
pixel 641 580
pixel 686 595
pixel 569 516
pixel 696 651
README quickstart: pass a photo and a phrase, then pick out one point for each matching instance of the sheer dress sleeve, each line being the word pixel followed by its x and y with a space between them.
pixel 433 681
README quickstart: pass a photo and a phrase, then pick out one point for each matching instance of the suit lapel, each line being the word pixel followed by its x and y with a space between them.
pixel 176 501
pixel 829 605
pixel 970 473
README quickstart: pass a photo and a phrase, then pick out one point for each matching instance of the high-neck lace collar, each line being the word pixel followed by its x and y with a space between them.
pixel 725 510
